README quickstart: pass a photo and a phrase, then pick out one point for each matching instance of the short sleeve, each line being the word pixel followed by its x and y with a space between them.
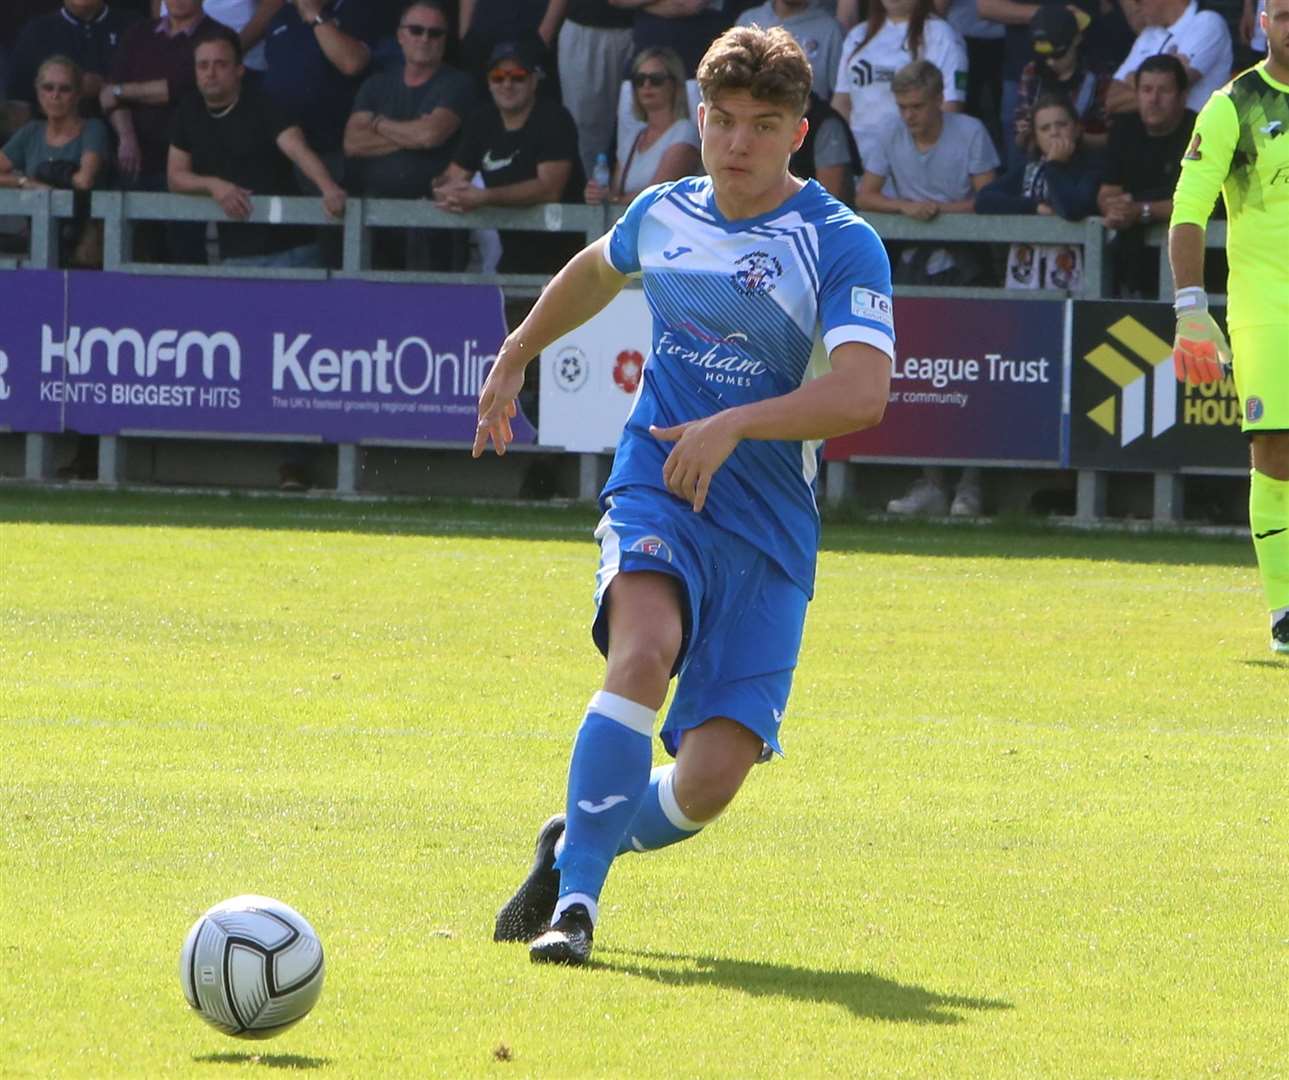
pixel 981 155
pixel 19 146
pixel 878 161
pixel 1141 48
pixel 275 117
pixel 459 96
pixel 181 128
pixel 948 52
pixel 469 149
pixel 94 139
pixel 1112 169
pixel 623 249
pixel 1206 162
pixel 368 97
pixel 831 147
pixel 855 287
pixel 559 139
pixel 357 18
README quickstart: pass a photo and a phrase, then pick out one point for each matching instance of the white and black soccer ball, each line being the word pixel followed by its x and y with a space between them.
pixel 251 967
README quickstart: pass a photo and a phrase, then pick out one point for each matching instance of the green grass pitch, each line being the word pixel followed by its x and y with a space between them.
pixel 1032 822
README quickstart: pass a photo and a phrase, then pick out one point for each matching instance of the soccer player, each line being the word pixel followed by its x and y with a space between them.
pixel 1241 146
pixel 710 528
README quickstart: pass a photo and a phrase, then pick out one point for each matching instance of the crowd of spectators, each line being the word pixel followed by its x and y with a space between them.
pixel 519 102
pixel 920 107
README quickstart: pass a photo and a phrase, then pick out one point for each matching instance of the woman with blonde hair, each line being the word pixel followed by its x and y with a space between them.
pixel 64 150
pixel 666 147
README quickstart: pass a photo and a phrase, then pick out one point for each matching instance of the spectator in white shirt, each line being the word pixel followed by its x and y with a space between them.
pixel 1199 39
pixel 895 33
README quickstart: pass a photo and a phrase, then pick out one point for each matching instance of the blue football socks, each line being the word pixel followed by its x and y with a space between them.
pixel 607 780
pixel 660 820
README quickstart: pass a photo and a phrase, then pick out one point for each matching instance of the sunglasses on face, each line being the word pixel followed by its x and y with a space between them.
pixel 434 33
pixel 649 78
pixel 514 78
pixel 56 88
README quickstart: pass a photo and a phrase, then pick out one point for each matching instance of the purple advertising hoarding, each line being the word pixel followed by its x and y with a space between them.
pixel 344 361
pixel 29 300
pixel 972 381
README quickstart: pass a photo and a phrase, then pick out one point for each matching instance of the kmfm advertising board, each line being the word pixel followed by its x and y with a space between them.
pixel 343 361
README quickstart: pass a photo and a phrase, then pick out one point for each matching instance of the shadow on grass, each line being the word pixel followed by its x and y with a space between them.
pixel 864 994
pixel 1012 538
pixel 269 1061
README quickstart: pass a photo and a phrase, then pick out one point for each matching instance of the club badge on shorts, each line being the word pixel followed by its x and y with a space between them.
pixel 1253 410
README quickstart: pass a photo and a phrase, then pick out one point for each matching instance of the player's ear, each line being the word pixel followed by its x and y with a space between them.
pixel 702 117
pixel 803 125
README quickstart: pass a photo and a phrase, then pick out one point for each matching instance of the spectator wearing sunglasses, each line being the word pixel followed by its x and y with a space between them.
pixel 406 119
pixel 667 146
pixel 525 150
pixel 63 149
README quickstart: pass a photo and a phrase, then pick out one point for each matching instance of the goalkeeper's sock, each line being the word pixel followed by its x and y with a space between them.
pixel 1269 523
pixel 660 821
pixel 607 779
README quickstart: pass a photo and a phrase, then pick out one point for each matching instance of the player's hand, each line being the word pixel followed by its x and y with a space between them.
pixel 1200 349
pixel 497 405
pixel 701 448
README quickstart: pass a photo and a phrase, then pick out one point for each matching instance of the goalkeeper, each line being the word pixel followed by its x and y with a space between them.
pixel 1241 147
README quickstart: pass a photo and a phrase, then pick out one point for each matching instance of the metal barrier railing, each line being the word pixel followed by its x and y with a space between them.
pixel 42 210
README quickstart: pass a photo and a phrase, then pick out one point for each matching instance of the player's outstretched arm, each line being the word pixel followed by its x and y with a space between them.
pixel 849 398
pixel 1200 349
pixel 585 285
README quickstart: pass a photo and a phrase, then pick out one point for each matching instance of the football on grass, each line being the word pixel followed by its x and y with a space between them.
pixel 251 967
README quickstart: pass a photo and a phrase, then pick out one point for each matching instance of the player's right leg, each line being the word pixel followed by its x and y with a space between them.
pixel 608 775
pixel 1262 382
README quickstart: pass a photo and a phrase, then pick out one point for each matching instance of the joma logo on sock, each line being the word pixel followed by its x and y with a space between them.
pixel 599 808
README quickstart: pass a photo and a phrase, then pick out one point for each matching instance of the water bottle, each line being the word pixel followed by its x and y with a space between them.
pixel 600 174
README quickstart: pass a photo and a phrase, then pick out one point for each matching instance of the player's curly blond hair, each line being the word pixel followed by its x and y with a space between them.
pixel 768 64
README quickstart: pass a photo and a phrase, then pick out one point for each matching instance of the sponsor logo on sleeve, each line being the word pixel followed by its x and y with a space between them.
pixel 872 305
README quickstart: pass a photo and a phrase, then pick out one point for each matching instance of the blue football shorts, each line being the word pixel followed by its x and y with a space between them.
pixel 742 615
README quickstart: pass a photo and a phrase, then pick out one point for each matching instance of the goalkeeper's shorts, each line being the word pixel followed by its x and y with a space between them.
pixel 1261 365
pixel 742 615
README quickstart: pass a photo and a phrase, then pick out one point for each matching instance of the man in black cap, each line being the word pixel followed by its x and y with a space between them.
pixel 1055 34
pixel 525 148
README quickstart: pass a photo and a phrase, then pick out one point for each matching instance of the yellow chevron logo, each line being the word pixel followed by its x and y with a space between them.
pixel 1124 413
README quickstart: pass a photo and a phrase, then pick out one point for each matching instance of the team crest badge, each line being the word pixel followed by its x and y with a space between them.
pixel 757 273
pixel 1193 151
pixel 1253 410
pixel 655 546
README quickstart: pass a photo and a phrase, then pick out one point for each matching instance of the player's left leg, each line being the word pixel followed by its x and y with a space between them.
pixel 1262 382
pixel 1269 524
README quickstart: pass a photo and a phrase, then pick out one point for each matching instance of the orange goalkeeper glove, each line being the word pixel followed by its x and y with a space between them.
pixel 1200 350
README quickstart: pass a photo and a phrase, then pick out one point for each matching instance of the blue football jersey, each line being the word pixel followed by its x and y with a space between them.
pixel 742 311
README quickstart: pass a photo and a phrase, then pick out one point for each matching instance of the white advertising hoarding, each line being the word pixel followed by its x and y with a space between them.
pixel 589 377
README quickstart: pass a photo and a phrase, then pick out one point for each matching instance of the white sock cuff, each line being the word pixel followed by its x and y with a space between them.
pixel 670 807
pixel 639 718
pixel 592 908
